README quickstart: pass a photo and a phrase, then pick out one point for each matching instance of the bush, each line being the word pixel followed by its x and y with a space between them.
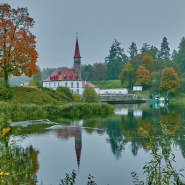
pixel 38 83
pixel 32 83
pixel 90 96
pixel 66 91
pixel 5 91
pixel 76 97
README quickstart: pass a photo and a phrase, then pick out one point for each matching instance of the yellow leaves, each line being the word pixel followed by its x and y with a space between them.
pixel 4 131
pixel 4 174
pixel 169 80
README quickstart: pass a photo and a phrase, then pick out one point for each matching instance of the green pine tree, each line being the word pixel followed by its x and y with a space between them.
pixel 153 51
pixel 133 50
pixel 165 50
pixel 145 48
pixel 115 60
pixel 180 56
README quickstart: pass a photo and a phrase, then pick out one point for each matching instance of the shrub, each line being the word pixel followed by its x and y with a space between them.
pixel 5 91
pixel 76 97
pixel 32 83
pixel 66 91
pixel 38 83
pixel 90 96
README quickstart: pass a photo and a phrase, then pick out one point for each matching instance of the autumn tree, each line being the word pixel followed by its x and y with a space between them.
pixel 169 80
pixel 100 72
pixel 143 76
pixel 143 59
pixel 17 43
pixel 127 74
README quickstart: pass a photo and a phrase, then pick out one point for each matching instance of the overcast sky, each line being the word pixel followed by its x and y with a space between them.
pixel 98 23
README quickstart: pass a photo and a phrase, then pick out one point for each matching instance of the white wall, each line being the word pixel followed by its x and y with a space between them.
pixel 113 91
pixel 137 88
pixel 55 84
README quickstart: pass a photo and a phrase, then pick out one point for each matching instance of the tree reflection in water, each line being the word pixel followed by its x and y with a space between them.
pixel 159 169
pixel 27 162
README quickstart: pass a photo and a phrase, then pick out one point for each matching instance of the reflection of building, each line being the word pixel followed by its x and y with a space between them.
pixel 78 144
pixel 138 113
pixel 75 132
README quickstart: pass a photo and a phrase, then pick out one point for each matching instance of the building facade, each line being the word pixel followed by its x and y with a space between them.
pixel 69 77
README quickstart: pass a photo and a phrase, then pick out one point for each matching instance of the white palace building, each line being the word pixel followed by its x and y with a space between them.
pixel 71 77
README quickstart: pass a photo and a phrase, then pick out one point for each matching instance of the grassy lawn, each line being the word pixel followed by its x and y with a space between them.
pixel 26 95
pixel 109 84
pixel 178 97
pixel 143 94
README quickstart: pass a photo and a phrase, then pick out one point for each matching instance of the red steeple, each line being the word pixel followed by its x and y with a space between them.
pixel 78 153
pixel 77 51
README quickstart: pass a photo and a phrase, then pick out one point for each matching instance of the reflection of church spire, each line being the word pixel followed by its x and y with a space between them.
pixel 78 144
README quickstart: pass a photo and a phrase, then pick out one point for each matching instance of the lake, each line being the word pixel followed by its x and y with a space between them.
pixel 109 147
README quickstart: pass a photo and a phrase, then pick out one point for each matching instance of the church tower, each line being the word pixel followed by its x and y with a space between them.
pixel 77 59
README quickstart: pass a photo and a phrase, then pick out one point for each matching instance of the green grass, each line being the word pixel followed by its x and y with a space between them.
pixel 43 96
pixel 10 111
pixel 177 97
pixel 143 94
pixel 109 84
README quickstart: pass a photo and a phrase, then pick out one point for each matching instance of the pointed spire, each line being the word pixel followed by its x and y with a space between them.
pixel 78 154
pixel 77 51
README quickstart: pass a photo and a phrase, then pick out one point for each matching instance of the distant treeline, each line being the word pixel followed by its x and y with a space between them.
pixel 154 59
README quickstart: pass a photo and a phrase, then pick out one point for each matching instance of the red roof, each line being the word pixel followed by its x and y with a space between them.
pixel 63 73
pixel 89 85
pixel 77 51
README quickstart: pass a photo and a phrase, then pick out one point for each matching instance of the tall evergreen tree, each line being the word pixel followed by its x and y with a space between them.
pixel 145 48
pixel 153 52
pixel 180 56
pixel 165 50
pixel 133 50
pixel 174 55
pixel 115 60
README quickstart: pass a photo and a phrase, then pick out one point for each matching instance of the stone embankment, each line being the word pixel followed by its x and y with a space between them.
pixel 108 97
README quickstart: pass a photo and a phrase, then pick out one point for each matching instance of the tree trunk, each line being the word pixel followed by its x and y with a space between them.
pixel 5 76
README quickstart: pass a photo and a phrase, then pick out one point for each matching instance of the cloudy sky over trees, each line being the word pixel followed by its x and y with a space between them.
pixel 98 23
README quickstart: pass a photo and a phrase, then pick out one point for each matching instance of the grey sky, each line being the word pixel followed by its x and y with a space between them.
pixel 98 23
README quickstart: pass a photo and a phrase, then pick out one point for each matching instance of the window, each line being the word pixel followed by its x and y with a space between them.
pixel 49 85
pixel 71 77
pixel 45 84
pixel 65 84
pixel 77 84
pixel 71 84
pixel 58 84
pixel 119 92
pixel 54 83
pixel 77 91
pixel 71 90
pixel 65 76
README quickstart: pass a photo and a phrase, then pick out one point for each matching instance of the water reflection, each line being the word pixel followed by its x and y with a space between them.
pixel 121 132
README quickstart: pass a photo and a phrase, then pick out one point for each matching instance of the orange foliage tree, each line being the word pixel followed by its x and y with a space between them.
pixel 17 44
pixel 169 80
pixel 143 76
pixel 145 60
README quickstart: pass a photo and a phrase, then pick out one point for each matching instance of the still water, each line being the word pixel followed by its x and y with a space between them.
pixel 108 147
